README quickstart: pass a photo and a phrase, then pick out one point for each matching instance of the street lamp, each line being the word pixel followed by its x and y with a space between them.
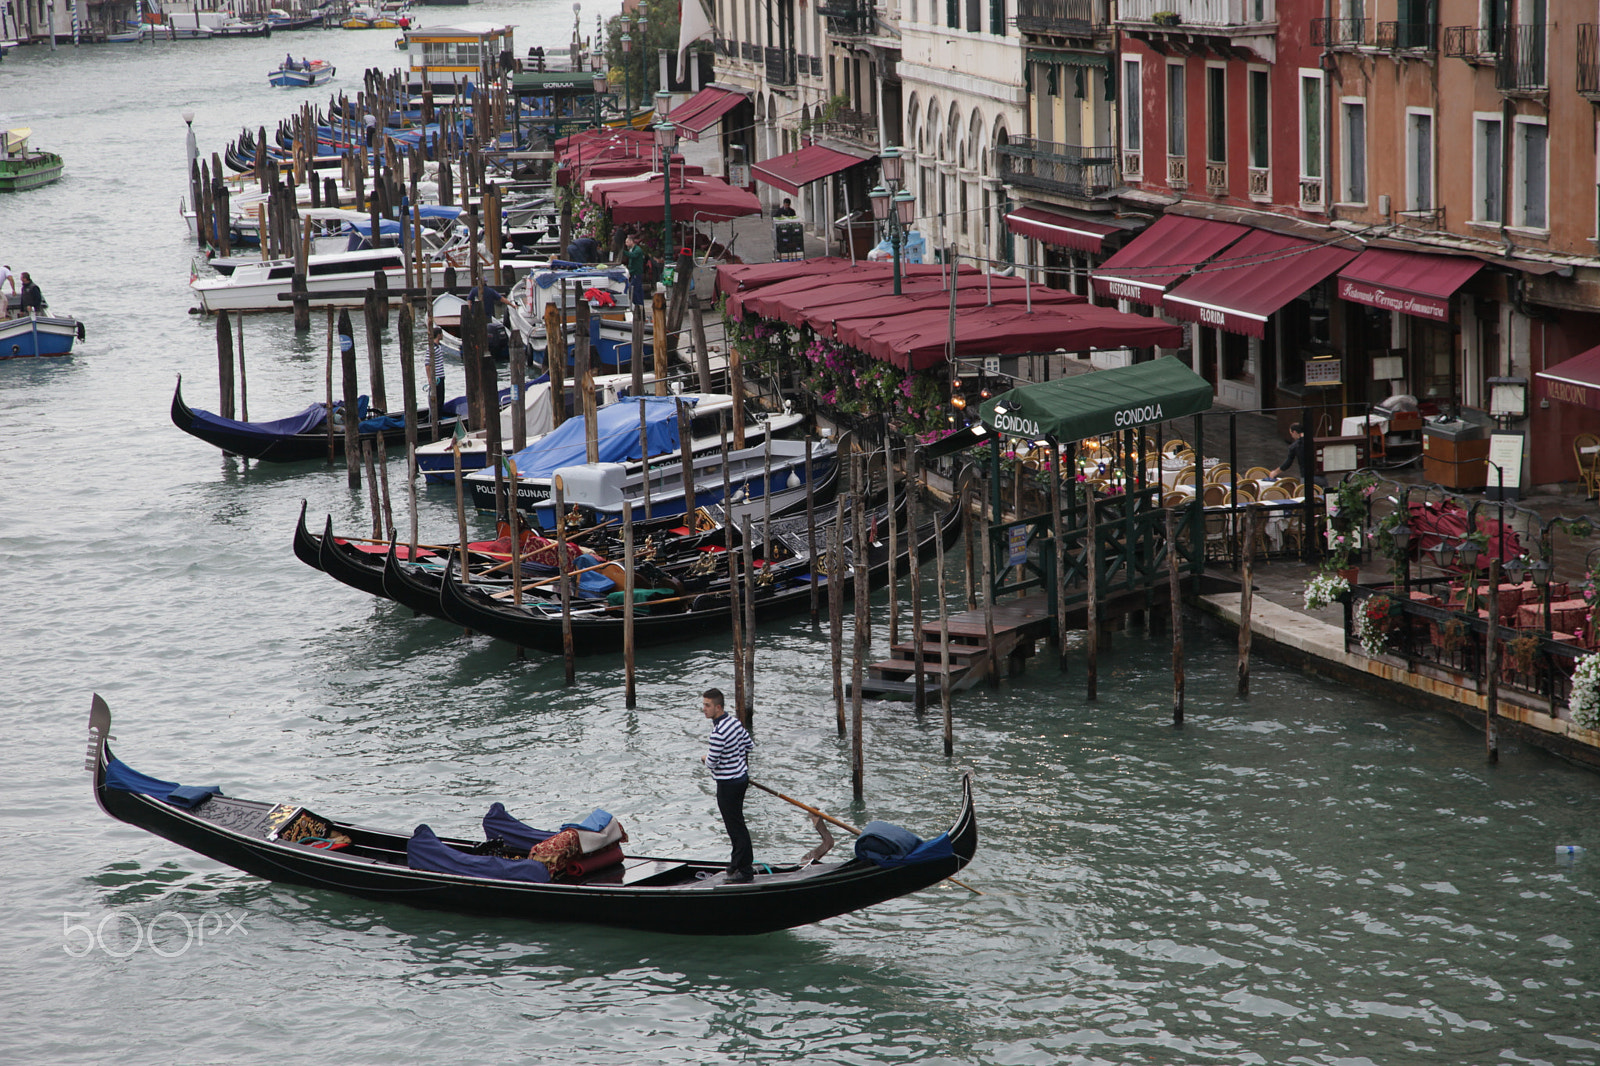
pixel 644 58
pixel 663 104
pixel 666 140
pixel 627 83
pixel 897 208
pixel 600 85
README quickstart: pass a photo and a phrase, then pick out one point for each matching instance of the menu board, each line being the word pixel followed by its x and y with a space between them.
pixel 1324 371
pixel 1504 480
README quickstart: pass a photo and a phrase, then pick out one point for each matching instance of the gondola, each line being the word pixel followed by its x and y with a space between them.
pixel 638 892
pixel 299 437
pixel 597 629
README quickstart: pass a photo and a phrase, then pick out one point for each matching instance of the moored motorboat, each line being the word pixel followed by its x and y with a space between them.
pixel 288 843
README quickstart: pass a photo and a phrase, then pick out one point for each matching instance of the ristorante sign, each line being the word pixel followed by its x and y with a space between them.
pixel 1406 303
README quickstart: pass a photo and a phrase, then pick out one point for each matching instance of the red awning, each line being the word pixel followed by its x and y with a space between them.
pixel 1258 275
pixel 1576 380
pixel 803 166
pixel 1064 231
pixel 1412 283
pixel 912 330
pixel 920 339
pixel 702 110
pixel 1173 246
pixel 700 199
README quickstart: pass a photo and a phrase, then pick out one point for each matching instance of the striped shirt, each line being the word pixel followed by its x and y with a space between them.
pixel 436 361
pixel 730 744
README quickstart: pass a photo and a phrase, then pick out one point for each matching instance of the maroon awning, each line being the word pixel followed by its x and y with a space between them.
pixel 1173 246
pixel 928 294
pixel 1576 380
pixel 921 339
pixel 803 166
pixel 800 299
pixel 1063 231
pixel 1412 283
pixel 747 277
pixel 1258 275
pixel 702 110
pixel 708 199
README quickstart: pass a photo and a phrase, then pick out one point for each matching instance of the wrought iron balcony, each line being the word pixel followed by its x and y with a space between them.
pixel 1589 59
pixel 849 18
pixel 1472 43
pixel 1069 18
pixel 1522 66
pixel 1415 36
pixel 781 66
pixel 856 127
pixel 1340 33
pixel 1067 169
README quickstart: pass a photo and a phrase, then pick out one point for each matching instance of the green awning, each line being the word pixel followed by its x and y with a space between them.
pixel 1097 60
pixel 1104 401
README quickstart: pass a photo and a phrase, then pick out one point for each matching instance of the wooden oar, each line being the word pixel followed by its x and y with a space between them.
pixel 825 816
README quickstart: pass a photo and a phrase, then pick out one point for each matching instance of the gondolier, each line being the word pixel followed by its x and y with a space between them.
pixel 727 759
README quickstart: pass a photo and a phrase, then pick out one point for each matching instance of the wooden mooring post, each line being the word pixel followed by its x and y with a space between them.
pixel 836 608
pixel 1491 667
pixel 1246 597
pixel 986 548
pixel 629 699
pixel 563 568
pixel 857 664
pixel 735 615
pixel 224 365
pixel 944 643
pixel 1176 590
pixel 352 424
pixel 1091 605
pixel 811 534
pixel 749 666
pixel 919 666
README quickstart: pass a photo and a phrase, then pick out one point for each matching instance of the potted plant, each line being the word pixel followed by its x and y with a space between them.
pixel 1325 587
pixel 1583 701
pixel 1166 18
pixel 1372 627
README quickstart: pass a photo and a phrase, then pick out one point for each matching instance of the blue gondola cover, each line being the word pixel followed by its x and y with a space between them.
pixel 425 851
pixel 618 430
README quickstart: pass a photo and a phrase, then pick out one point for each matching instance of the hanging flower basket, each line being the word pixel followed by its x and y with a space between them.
pixel 1583 701
pixel 1325 588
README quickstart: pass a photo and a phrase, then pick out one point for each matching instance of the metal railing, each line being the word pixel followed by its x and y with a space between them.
pixel 847 19
pixel 1079 18
pixel 1453 641
pixel 1522 58
pixel 781 66
pixel 1415 36
pixel 1339 33
pixel 1063 168
pixel 1588 58
pixel 1471 42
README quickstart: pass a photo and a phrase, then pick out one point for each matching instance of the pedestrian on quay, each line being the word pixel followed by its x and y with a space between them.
pixel 728 761
pixel 1291 462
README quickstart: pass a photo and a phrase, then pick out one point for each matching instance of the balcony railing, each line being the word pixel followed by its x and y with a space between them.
pixel 1588 58
pixel 849 18
pixel 1177 172
pixel 1132 164
pixel 1217 178
pixel 849 124
pixel 1340 33
pixel 1522 65
pixel 1070 169
pixel 1472 42
pixel 1408 36
pixel 1071 18
pixel 1260 183
pixel 1213 14
pixel 781 66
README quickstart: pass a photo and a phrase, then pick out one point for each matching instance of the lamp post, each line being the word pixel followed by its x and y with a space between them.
pixel 644 58
pixel 892 205
pixel 666 140
pixel 627 84
pixel 600 85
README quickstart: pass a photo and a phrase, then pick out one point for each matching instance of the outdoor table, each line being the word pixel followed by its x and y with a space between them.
pixel 1565 615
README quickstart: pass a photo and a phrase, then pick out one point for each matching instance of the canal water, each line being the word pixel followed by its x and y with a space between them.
pixel 1309 876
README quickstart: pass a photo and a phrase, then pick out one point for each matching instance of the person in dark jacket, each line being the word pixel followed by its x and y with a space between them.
pixel 32 298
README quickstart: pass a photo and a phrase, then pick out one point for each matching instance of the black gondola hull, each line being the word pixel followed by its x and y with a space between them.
pixel 374 869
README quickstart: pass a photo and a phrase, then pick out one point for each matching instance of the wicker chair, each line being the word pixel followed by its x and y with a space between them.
pixel 1185 476
pixel 1586 450
pixel 1257 472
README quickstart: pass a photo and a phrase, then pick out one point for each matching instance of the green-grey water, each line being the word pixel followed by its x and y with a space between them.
pixel 1309 876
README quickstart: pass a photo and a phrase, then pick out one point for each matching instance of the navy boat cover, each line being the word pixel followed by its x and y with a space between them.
pixel 425 851
pixel 886 844
pixel 618 430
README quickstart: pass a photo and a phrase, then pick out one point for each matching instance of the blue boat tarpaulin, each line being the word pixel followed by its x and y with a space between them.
pixel 617 426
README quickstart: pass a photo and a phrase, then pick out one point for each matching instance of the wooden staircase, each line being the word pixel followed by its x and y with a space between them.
pixel 1017 625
